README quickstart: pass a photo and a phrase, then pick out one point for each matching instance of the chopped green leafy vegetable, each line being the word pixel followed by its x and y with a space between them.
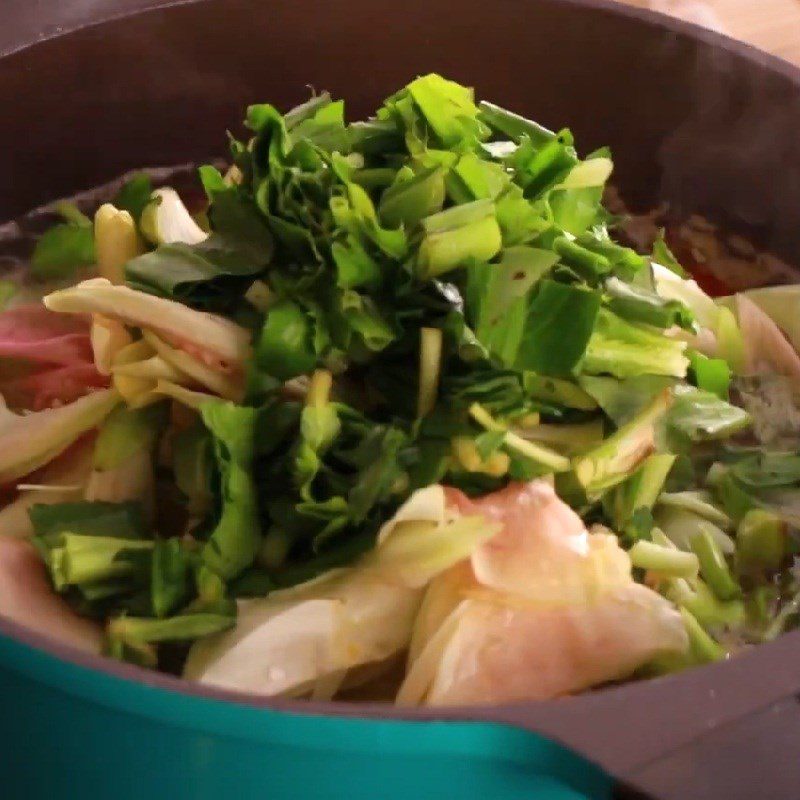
pixel 134 195
pixel 235 539
pixel 62 249
pixel 561 321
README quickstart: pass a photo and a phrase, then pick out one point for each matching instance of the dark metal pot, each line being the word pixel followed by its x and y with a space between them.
pixel 90 91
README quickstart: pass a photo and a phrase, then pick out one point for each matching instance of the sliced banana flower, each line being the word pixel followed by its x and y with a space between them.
pixel 671 286
pixel 186 397
pixel 153 368
pixel 137 370
pixel 116 241
pixel 227 386
pixel 166 220
pixel 30 441
pixel 149 369
pixel 215 341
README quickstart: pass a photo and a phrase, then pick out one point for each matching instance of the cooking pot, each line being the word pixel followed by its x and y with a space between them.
pixel 710 125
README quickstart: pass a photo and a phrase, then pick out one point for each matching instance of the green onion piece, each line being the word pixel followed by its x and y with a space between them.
pixel 611 462
pixel 585 261
pixel 275 548
pixel 760 541
pixel 761 604
pixel 169 582
pixel 133 652
pixel 430 362
pixel 513 125
pixel 210 587
pixel 711 374
pixel 559 391
pixel 77 559
pixel 569 439
pixel 667 561
pixel 704 605
pixel 640 491
pixel 543 456
pixel 713 566
pixel 703 648
pixel 184 627
pixel 374 177
pixel 730 343
pixel 783 620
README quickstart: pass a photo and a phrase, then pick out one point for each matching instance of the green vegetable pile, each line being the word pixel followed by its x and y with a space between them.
pixel 433 295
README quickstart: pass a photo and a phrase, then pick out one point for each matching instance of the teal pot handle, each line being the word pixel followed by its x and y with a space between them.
pixel 69 731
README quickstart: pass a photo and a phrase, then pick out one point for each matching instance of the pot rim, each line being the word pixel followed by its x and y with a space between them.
pixel 554 716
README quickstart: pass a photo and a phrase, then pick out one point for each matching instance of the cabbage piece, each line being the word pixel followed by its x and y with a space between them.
pixel 699 502
pixel 443 594
pixel 488 652
pixel 424 505
pixel 234 541
pixel 543 553
pixel 292 647
pixel 308 638
pixel 416 551
pixel 543 609
pixel 766 348
pixel 671 286
pixel 31 441
pixel 217 341
pixel 430 364
pixel 62 480
pixel 27 598
pixel 166 220
pixel 123 457
pixel 626 350
pixel 781 304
